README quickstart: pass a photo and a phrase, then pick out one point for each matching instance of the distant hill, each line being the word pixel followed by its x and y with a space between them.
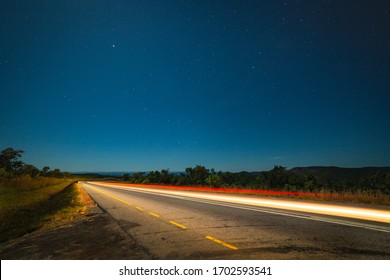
pixel 339 173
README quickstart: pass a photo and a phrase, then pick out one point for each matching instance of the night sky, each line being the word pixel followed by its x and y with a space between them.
pixel 234 85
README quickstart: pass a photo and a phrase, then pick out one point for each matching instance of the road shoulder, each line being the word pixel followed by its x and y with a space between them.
pixel 95 235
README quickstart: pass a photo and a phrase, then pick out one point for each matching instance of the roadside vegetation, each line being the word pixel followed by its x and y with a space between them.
pixel 31 198
pixel 363 185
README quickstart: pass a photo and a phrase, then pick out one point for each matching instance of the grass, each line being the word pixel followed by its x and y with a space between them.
pixel 27 204
pixel 361 196
pixel 355 197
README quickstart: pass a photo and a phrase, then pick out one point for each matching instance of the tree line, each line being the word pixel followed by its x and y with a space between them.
pixel 278 178
pixel 11 166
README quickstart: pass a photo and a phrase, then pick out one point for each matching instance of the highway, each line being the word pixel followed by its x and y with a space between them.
pixel 179 224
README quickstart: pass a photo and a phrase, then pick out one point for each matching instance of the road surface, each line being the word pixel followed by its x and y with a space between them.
pixel 172 224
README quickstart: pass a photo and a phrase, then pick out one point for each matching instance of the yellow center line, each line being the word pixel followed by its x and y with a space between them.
pixel 221 242
pixel 154 214
pixel 172 222
pixel 177 224
pixel 114 197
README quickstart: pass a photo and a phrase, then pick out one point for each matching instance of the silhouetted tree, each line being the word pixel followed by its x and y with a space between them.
pixel 165 177
pixel 45 171
pixel 198 174
pixel 214 180
pixel 154 177
pixel 125 177
pixel 9 160
pixel 310 182
pixel 137 177
pixel 55 173
pixel 277 177
pixel 29 170
pixel 228 178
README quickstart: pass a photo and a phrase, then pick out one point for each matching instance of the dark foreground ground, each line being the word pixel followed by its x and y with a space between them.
pixel 94 235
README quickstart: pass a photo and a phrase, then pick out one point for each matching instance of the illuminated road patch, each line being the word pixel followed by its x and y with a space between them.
pixel 367 214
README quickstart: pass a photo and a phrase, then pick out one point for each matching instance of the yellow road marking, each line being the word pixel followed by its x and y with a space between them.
pixel 177 224
pixel 221 242
pixel 139 208
pixel 114 197
pixel 154 214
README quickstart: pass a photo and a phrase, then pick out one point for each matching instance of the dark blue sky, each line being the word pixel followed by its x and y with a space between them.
pixel 234 85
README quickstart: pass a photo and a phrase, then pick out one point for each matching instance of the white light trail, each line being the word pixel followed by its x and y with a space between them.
pixel 367 214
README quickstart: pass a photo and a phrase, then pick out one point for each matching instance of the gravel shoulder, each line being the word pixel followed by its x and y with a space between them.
pixel 94 235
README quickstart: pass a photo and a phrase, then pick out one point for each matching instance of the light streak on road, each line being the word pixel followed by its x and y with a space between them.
pixel 367 214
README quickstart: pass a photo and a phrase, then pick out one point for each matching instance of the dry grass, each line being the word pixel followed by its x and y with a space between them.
pixel 357 197
pixel 362 196
pixel 28 183
pixel 27 204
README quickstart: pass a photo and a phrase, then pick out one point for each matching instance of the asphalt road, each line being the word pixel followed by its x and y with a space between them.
pixel 172 224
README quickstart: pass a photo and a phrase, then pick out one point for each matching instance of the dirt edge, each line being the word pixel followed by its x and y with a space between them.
pixel 92 235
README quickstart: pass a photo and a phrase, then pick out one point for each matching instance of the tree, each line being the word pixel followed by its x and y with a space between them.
pixel 214 180
pixel 9 160
pixel 11 165
pixel 4 174
pixel 310 182
pixel 165 177
pixel 125 177
pixel 198 174
pixel 55 173
pixel 45 171
pixel 154 176
pixel 277 177
pixel 228 178
pixel 137 177
pixel 29 170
